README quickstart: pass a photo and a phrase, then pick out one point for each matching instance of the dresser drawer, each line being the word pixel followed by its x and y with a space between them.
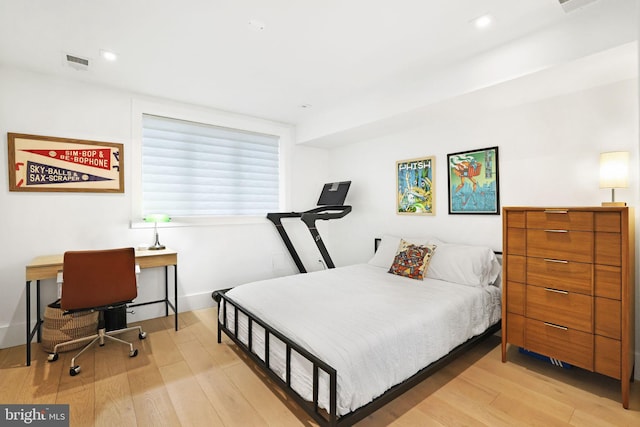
pixel 561 308
pixel 608 248
pixel 610 222
pixel 562 219
pixel 608 281
pixel 560 244
pixel 516 268
pixel 515 329
pixel 568 345
pixel 516 241
pixel 514 218
pixel 559 274
pixel 515 297
pixel 608 314
pixel 607 357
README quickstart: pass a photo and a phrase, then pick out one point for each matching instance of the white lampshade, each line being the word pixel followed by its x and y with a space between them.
pixel 614 173
pixel 614 169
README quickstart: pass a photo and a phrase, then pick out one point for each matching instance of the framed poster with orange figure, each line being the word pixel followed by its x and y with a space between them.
pixel 415 186
pixel 474 182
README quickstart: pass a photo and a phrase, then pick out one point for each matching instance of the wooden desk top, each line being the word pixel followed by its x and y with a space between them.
pixel 47 266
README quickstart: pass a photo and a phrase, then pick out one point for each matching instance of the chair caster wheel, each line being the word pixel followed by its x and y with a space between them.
pixel 52 357
pixel 142 335
pixel 134 353
pixel 74 371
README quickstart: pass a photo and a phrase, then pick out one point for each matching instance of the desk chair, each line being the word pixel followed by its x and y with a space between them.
pixel 98 281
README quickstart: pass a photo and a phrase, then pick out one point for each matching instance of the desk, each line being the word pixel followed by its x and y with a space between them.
pixel 48 266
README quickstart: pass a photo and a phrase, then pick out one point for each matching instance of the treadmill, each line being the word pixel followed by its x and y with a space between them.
pixel 330 206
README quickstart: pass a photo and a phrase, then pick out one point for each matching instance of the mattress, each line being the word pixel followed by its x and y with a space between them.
pixel 376 329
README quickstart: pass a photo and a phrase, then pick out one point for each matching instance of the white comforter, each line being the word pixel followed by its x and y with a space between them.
pixel 376 329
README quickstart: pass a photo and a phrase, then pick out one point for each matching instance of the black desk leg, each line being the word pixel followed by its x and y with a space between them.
pixel 166 290
pixel 38 318
pixel 28 340
pixel 175 292
pixel 37 327
pixel 168 303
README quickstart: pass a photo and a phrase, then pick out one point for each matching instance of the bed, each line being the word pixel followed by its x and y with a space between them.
pixel 345 341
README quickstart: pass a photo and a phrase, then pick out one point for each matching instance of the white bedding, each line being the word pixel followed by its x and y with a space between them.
pixel 376 329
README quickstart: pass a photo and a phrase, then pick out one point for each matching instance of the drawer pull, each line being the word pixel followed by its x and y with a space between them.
pixel 557 231
pixel 557 291
pixel 556 211
pixel 564 328
pixel 557 261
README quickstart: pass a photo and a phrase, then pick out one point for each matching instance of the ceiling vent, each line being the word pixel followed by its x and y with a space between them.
pixel 76 62
pixel 571 5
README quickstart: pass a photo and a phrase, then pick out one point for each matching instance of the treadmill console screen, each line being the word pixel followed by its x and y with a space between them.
pixel 334 193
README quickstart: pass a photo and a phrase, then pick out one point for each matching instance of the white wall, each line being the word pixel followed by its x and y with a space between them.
pixel 548 156
pixel 32 224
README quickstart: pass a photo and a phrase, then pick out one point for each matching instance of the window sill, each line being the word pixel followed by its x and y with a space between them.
pixel 200 221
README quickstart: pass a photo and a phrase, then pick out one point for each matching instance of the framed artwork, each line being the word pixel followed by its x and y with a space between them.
pixel 474 182
pixel 46 163
pixel 415 186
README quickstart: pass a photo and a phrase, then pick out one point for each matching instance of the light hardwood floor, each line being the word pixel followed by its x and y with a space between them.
pixel 185 378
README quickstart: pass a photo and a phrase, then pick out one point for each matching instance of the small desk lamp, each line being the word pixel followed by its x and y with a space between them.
pixel 614 173
pixel 156 218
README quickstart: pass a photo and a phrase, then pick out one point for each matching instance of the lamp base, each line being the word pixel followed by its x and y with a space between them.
pixel 614 204
pixel 156 246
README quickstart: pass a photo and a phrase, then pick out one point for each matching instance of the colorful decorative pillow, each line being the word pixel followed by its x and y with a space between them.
pixel 388 247
pixel 412 260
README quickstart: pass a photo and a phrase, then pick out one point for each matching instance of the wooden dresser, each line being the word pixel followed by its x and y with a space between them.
pixel 569 285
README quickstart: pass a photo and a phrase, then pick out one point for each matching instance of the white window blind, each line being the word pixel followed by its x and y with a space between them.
pixel 194 169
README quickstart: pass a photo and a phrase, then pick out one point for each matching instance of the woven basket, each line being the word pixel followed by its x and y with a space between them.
pixel 59 328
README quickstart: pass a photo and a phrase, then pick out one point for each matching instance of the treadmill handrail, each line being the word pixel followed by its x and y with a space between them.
pixel 325 213
pixel 277 216
pixel 309 218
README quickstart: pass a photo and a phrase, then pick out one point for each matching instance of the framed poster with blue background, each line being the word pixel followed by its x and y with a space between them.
pixel 474 182
pixel 415 186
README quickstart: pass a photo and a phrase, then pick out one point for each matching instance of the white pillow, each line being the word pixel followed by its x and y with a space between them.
pixel 388 247
pixel 464 264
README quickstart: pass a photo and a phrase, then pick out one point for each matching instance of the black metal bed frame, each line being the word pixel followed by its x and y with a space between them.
pixel 323 418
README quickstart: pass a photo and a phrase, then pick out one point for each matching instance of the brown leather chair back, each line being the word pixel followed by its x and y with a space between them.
pixel 98 278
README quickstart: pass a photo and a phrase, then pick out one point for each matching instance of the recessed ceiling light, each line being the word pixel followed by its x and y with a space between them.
pixel 108 55
pixel 483 21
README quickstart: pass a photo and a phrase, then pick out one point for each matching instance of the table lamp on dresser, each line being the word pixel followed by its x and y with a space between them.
pixel 614 173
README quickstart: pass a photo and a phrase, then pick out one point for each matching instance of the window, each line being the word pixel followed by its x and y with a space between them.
pixel 195 169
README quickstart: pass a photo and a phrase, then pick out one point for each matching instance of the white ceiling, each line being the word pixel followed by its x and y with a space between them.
pixel 326 53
